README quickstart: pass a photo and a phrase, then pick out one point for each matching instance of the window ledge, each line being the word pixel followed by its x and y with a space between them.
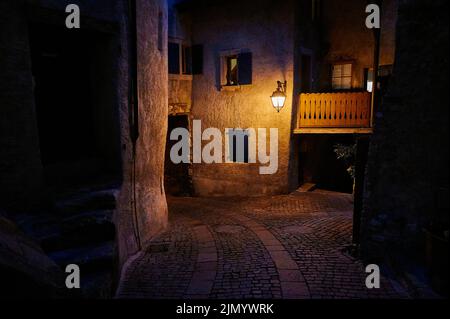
pixel 230 88
pixel 234 88
pixel 182 77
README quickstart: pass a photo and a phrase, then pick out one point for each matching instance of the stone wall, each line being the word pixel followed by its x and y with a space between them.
pixel 150 216
pixel 21 177
pixel 407 174
pixel 25 270
pixel 347 38
pixel 267 31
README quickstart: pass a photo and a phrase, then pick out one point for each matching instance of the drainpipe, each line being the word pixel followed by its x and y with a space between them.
pixel 362 143
pixel 376 64
pixel 362 151
pixel 133 58
pixel 133 105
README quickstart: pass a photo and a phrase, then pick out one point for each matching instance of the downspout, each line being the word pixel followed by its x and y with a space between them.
pixel 133 104
pixel 362 143
pixel 376 64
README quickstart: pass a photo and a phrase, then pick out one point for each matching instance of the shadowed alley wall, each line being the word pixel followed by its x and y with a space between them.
pixel 407 172
pixel 21 176
pixel 22 182
pixel 22 173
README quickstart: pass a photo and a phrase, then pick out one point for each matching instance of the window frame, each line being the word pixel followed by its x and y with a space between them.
pixel 228 70
pixel 183 64
pixel 342 63
pixel 224 58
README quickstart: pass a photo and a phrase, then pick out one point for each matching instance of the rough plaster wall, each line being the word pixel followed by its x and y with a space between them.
pixel 266 30
pixel 153 98
pixel 153 112
pixel 409 150
pixel 180 95
pixel 20 165
pixel 348 37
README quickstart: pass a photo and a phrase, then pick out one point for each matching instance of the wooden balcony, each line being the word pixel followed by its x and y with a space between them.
pixel 334 113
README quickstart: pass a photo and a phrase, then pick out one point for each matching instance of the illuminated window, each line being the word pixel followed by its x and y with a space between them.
pixel 368 75
pixel 232 70
pixel 384 74
pixel 236 68
pixel 342 76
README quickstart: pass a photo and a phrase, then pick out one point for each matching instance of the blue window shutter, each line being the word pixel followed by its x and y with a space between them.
pixel 174 58
pixel 245 68
pixel 197 59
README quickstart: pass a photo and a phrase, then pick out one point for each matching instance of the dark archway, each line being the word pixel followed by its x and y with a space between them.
pixel 76 113
pixel 177 180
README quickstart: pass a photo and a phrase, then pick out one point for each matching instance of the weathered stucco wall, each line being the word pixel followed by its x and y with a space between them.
pixel 267 31
pixel 151 212
pixel 180 94
pixel 153 112
pixel 407 172
pixel 348 38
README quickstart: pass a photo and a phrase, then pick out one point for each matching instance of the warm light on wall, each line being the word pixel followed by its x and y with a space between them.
pixel 279 96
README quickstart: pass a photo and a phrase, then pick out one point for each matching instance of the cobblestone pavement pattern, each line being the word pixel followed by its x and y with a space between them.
pixel 290 247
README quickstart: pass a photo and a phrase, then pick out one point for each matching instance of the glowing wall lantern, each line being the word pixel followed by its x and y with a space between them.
pixel 279 96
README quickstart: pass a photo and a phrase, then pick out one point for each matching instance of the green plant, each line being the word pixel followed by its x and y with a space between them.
pixel 347 154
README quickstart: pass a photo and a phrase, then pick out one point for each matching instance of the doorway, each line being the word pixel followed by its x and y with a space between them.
pixel 77 116
pixel 177 180
pixel 319 164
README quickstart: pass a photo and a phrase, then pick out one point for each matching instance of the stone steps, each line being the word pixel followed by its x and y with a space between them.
pixel 83 202
pixel 90 259
pixel 81 231
pixel 95 227
pixel 78 228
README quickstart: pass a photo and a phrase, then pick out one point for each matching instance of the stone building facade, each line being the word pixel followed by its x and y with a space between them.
pixel 348 39
pixel 255 31
pixel 296 41
pixel 46 119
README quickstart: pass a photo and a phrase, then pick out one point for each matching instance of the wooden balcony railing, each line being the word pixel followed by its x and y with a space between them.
pixel 345 112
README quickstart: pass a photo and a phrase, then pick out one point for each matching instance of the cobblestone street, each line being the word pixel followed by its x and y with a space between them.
pixel 289 247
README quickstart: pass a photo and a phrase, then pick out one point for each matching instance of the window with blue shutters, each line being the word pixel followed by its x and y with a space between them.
pixel 237 69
